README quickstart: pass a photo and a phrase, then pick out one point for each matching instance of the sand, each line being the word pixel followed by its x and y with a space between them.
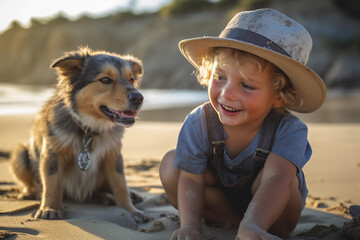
pixel 333 177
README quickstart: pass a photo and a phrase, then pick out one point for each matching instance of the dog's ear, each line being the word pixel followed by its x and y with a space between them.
pixel 137 67
pixel 71 62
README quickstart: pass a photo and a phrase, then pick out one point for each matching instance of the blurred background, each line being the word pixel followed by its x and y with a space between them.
pixel 34 33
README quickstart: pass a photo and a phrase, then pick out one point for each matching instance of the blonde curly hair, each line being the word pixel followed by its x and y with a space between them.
pixel 281 82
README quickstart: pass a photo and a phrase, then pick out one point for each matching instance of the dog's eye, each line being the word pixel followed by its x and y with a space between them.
pixel 131 80
pixel 106 80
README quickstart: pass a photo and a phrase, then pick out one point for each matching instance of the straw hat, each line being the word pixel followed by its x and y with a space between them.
pixel 273 36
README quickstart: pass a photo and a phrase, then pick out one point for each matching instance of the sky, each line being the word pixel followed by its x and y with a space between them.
pixel 24 10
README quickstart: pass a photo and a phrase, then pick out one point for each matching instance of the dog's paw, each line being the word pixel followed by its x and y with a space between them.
pixel 158 200
pixel 49 213
pixel 135 197
pixel 140 217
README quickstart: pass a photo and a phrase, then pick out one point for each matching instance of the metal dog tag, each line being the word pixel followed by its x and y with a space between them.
pixel 84 160
pixel 84 157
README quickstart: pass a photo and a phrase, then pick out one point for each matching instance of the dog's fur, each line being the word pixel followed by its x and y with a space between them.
pixel 96 93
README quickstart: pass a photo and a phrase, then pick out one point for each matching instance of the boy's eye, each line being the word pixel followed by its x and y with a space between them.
pixel 248 87
pixel 219 77
pixel 106 80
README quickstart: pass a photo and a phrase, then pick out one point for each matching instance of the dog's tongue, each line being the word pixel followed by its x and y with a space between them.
pixel 127 113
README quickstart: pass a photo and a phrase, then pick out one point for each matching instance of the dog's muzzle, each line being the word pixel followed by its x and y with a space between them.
pixel 135 99
pixel 126 117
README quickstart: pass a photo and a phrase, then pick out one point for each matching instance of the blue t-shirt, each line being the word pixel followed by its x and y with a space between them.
pixel 192 151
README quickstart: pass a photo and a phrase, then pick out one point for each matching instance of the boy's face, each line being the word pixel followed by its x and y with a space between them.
pixel 240 93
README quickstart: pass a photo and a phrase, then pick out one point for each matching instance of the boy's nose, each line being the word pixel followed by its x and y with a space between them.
pixel 229 91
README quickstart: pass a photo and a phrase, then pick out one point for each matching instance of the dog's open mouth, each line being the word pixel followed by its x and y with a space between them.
pixel 126 117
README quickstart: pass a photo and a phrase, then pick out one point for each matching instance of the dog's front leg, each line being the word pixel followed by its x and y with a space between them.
pixel 116 179
pixel 117 182
pixel 52 194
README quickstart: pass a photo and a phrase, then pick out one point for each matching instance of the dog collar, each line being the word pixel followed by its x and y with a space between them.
pixel 85 128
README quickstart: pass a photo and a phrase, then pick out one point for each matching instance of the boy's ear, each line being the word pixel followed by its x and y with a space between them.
pixel 278 102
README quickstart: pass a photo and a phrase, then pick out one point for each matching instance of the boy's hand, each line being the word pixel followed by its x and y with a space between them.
pixel 187 233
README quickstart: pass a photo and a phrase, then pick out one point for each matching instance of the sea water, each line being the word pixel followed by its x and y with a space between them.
pixel 340 106
pixel 28 99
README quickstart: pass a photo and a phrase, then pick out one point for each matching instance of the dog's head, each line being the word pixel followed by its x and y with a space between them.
pixel 100 88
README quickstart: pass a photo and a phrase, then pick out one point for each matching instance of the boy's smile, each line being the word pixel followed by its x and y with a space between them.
pixel 229 110
pixel 240 92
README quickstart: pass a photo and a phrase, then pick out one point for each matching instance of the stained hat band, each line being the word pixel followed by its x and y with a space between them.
pixel 252 38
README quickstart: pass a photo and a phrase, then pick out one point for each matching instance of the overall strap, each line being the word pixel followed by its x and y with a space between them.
pixel 267 135
pixel 217 141
pixel 266 141
pixel 215 129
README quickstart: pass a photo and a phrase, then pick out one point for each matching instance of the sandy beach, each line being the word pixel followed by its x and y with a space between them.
pixel 333 178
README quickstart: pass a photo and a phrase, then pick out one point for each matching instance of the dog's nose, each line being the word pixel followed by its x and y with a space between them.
pixel 135 98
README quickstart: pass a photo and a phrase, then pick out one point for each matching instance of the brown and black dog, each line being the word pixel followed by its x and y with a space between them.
pixel 75 144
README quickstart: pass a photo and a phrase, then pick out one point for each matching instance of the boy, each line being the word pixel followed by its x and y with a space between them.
pixel 255 71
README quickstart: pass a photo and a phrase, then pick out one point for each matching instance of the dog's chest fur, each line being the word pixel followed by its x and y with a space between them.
pixel 78 184
pixel 81 184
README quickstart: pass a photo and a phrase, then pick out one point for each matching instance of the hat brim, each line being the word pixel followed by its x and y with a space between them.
pixel 305 82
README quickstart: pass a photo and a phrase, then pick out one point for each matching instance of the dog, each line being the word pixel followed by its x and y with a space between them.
pixel 75 145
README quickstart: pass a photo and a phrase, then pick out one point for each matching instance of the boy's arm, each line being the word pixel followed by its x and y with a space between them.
pixel 190 204
pixel 190 198
pixel 271 197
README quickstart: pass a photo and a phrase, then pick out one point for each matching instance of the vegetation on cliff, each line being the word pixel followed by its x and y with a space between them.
pixel 26 53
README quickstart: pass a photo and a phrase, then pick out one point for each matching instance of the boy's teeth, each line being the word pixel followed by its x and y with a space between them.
pixel 230 109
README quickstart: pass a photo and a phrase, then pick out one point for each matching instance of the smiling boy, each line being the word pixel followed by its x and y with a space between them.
pixel 255 72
